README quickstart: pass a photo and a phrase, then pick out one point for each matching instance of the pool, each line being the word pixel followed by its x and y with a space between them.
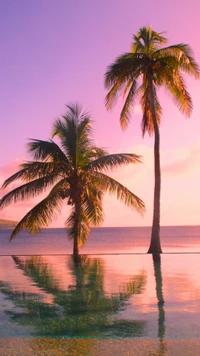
pixel 129 304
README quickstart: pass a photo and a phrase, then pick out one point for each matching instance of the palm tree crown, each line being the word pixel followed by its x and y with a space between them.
pixel 73 172
pixel 138 74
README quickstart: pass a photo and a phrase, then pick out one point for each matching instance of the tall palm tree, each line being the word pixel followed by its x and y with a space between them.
pixel 77 171
pixel 139 73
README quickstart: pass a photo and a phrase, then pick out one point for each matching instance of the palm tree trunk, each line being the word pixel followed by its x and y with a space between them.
pixel 76 231
pixel 75 247
pixel 155 246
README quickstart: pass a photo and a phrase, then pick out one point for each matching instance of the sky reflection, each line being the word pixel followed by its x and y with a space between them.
pixel 115 296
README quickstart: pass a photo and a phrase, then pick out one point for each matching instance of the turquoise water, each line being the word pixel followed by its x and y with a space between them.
pixel 146 307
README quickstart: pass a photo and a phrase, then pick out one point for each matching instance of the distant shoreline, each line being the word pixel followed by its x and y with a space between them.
pixel 3 227
pixel 7 224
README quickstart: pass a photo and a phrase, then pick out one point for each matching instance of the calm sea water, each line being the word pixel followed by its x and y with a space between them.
pixel 117 301
pixel 102 240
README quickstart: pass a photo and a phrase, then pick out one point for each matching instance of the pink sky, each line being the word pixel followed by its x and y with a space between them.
pixel 56 52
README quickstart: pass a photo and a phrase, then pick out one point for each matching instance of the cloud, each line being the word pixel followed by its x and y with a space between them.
pixel 133 174
pixel 14 211
pixel 184 161
pixel 5 172
pixel 137 109
pixel 9 169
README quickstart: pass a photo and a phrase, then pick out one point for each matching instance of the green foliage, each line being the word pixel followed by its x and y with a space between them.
pixel 73 172
pixel 129 75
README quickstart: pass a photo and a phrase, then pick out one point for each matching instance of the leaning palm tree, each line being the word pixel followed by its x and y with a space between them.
pixel 75 173
pixel 138 74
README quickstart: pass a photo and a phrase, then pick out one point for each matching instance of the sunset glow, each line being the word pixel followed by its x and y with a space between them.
pixel 57 52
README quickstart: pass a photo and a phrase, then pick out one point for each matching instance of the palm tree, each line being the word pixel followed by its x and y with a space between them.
pixel 139 73
pixel 77 171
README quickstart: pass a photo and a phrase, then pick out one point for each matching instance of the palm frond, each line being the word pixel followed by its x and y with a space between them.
pixel 41 215
pixel 84 141
pixel 127 66
pixel 67 133
pixel 41 169
pixel 170 77
pixel 92 204
pixel 74 112
pixel 145 101
pixel 59 128
pixel 84 129
pixel 184 57
pixel 22 174
pixel 112 96
pixel 122 193
pixel 129 103
pixel 28 190
pixel 147 40
pixel 33 170
pixel 84 227
pixel 97 152
pixel 75 133
pixel 113 161
pixel 36 169
pixel 121 77
pixel 45 150
pixel 177 90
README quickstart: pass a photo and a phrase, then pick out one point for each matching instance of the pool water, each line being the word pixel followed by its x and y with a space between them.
pixel 104 305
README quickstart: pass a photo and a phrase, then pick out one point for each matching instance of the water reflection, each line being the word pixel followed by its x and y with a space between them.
pixel 162 349
pixel 79 308
pixel 83 309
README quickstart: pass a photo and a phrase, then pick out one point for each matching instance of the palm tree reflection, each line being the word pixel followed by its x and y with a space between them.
pixel 85 309
pixel 161 311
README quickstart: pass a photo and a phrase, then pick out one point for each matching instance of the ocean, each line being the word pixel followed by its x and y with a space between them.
pixel 106 240
pixel 117 301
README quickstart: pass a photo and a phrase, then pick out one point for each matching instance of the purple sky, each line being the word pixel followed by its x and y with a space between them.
pixel 56 52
